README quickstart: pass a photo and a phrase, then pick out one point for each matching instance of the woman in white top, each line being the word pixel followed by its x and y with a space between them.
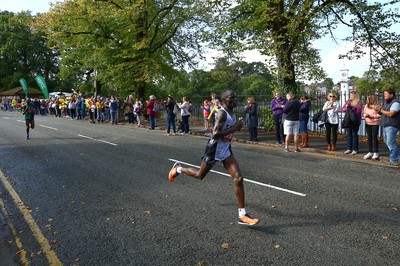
pixel 185 114
pixel 331 107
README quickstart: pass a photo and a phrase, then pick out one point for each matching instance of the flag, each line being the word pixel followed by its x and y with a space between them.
pixel 24 86
pixel 42 85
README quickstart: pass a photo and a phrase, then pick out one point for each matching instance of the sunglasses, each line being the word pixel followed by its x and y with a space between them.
pixel 332 96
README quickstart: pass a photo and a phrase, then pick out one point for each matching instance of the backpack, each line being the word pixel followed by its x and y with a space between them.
pixel 190 108
pixel 138 109
pixel 156 107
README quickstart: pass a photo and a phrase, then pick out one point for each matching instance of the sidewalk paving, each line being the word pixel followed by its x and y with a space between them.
pixel 317 142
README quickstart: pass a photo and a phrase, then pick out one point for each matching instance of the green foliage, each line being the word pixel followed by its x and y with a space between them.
pixel 285 30
pixel 130 44
pixel 24 52
pixel 268 118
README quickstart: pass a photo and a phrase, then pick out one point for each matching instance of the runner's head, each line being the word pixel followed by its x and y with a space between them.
pixel 228 98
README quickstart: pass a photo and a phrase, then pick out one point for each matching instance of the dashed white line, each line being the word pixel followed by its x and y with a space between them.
pixel 247 180
pixel 99 140
pixel 53 128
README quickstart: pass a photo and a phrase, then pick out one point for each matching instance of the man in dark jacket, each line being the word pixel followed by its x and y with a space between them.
pixel 390 122
pixel 291 124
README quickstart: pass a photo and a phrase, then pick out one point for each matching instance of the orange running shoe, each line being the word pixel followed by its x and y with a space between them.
pixel 248 220
pixel 173 173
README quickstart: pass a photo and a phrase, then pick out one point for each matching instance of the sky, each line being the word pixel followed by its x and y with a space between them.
pixel 328 49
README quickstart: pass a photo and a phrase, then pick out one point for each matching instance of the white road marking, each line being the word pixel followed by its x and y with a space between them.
pixel 86 137
pixel 247 180
pixel 53 128
pixel 99 140
pixel 107 142
pixel 22 121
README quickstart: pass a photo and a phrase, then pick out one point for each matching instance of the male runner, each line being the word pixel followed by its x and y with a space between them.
pixel 29 112
pixel 219 149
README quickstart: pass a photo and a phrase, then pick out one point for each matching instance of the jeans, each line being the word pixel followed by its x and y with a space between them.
pixel 138 120
pixel 331 129
pixel 372 133
pixel 114 115
pixel 171 122
pixel 352 138
pixel 278 127
pixel 253 133
pixel 303 126
pixel 107 114
pixel 152 121
pixel 185 123
pixel 389 136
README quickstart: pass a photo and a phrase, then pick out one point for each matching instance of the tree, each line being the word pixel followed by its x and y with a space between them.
pixel 285 30
pixel 130 44
pixel 23 52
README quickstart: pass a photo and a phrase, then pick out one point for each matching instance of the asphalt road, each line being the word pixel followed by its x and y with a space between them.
pixel 99 195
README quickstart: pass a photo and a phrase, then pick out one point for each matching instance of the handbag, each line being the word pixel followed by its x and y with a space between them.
pixel 350 119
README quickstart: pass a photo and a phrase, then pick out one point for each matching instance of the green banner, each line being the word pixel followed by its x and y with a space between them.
pixel 24 86
pixel 42 85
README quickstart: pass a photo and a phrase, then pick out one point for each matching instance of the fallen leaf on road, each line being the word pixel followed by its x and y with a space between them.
pixel 147 212
pixel 225 245
pixel 277 246
pixel 200 263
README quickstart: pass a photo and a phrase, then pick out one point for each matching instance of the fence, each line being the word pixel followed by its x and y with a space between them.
pixel 264 108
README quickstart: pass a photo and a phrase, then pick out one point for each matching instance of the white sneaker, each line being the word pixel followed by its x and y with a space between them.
pixel 353 152
pixel 347 152
pixel 375 156
pixel 368 155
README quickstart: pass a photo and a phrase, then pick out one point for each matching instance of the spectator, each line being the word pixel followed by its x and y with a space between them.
pixel 352 131
pixel 92 109
pixel 390 121
pixel 128 104
pixel 206 108
pixel 114 106
pixel 277 105
pixel 304 117
pixel 331 107
pixel 78 107
pixel 251 118
pixel 150 111
pixel 169 106
pixel 72 108
pixel 185 114
pixel 372 119
pixel 215 105
pixel 107 113
pixel 292 121
pixel 138 112
pixel 100 110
